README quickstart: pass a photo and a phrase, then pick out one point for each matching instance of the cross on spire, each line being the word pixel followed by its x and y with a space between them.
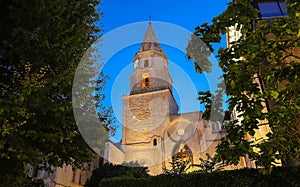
pixel 150 41
pixel 150 19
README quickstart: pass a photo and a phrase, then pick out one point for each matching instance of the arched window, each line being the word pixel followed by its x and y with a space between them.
pixel 154 142
pixel 146 81
pixel 146 64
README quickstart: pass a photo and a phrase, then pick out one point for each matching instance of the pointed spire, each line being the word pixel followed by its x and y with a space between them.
pixel 150 36
pixel 150 41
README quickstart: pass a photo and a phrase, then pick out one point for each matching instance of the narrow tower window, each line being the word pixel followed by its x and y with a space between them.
pixel 146 64
pixel 154 142
pixel 146 81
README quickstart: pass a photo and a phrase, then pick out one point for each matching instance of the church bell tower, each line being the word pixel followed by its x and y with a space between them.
pixel 147 108
pixel 152 129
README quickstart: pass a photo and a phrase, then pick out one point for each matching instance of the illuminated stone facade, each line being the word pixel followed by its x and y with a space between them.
pixel 66 176
pixel 152 130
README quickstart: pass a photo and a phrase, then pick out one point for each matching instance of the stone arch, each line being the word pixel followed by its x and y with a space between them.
pixel 145 81
pixel 183 152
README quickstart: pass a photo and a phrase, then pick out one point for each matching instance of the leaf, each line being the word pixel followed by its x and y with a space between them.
pixel 274 94
pixel 263 87
pixel 232 84
pixel 41 43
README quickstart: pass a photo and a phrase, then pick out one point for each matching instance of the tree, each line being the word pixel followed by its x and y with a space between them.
pixel 41 44
pixel 263 85
pixel 210 164
pixel 178 166
pixel 108 170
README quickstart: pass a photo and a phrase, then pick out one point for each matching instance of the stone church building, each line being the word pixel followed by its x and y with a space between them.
pixel 152 129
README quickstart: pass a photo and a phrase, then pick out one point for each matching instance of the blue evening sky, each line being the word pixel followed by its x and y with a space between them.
pixel 125 23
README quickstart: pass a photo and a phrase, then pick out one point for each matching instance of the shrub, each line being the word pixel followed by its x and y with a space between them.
pixel 280 176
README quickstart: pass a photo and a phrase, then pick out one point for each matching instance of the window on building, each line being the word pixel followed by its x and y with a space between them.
pixel 154 142
pixel 282 6
pixel 271 9
pixel 146 64
pixel 146 81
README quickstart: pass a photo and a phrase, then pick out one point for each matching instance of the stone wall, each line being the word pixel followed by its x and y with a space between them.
pixel 146 115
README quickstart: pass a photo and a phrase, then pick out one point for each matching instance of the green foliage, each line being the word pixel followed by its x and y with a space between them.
pixel 199 52
pixel 213 104
pixel 109 170
pixel 41 44
pixel 246 177
pixel 210 164
pixel 10 171
pixel 177 166
pixel 263 85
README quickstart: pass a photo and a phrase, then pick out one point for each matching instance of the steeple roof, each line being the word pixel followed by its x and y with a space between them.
pixel 150 41
pixel 150 35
